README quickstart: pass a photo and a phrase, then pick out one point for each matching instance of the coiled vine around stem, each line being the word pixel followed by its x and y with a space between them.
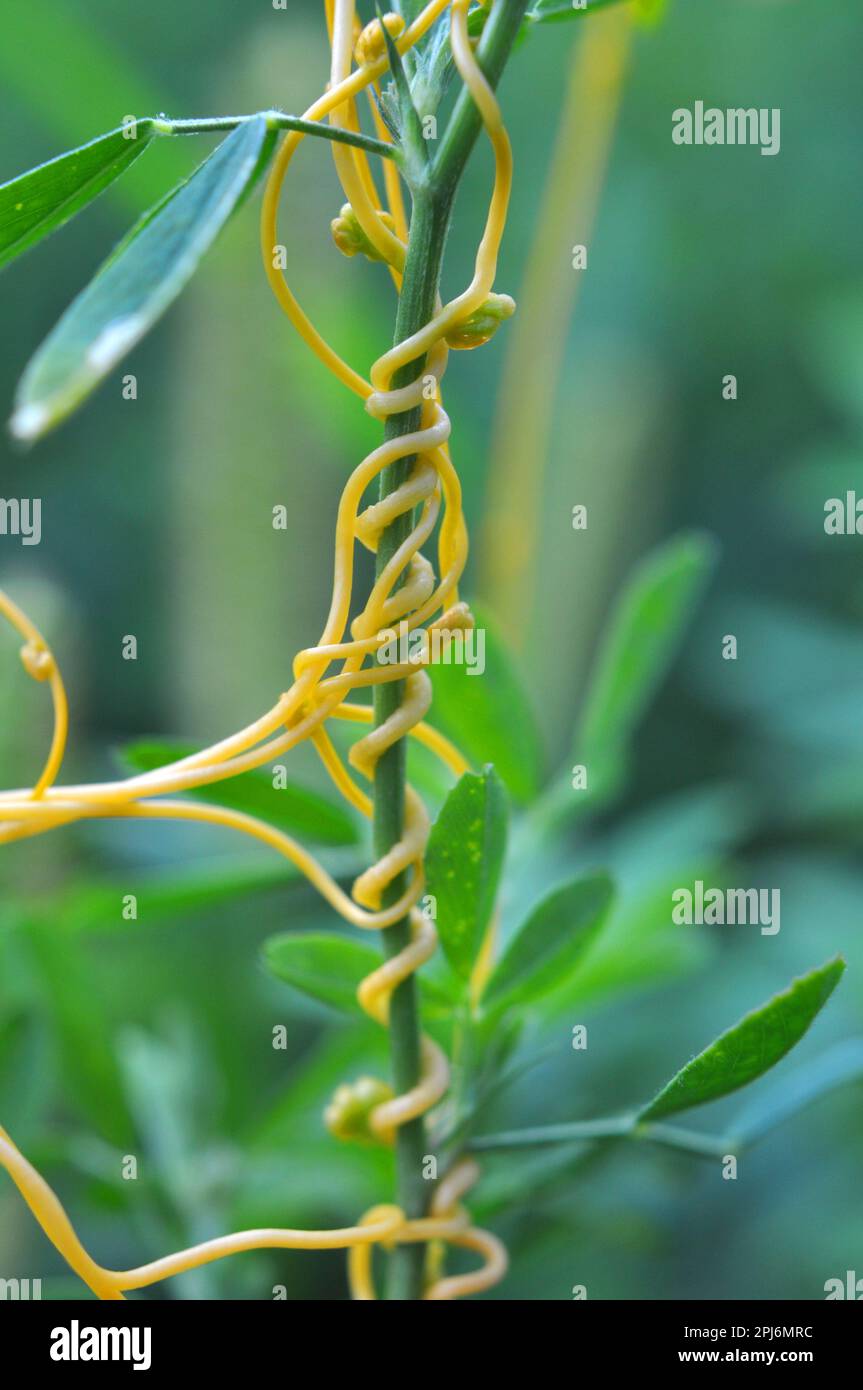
pixel 426 497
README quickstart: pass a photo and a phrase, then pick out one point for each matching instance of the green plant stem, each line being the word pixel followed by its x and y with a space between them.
pixel 689 1140
pixel 464 125
pixel 278 120
pixel 617 1127
pixel 416 306
pixel 433 196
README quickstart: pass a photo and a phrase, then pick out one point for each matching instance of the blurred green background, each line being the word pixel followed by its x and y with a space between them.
pixel 155 1037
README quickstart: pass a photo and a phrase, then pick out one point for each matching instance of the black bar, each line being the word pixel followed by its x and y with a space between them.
pixel 170 1336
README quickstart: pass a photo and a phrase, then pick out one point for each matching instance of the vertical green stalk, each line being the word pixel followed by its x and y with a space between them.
pixel 416 306
pixel 433 195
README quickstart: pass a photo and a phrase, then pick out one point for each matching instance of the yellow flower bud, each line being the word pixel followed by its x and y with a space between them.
pixel 348 1115
pixel 483 323
pixel 350 237
pixel 370 45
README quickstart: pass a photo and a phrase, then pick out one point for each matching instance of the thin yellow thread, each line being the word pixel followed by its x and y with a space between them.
pixel 314 697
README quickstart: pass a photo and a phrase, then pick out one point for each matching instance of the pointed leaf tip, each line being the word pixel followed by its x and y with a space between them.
pixel 755 1044
pixel 37 203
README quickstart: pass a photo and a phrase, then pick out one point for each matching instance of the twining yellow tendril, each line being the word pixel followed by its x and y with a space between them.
pixel 405 591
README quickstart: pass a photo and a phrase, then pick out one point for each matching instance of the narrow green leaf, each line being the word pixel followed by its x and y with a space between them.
pixel 45 198
pixel 464 858
pixel 409 121
pixel 488 713
pixel 137 283
pixel 327 967
pixel 643 636
pixel 293 808
pixel 751 1047
pixel 552 942
pixel 331 968
pixel 576 1132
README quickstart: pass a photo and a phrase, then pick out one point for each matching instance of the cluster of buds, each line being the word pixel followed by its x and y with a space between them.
pixel 483 323
pixel 348 1115
pixel 350 237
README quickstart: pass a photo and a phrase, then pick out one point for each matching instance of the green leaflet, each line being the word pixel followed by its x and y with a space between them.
pixel 489 715
pixel 293 808
pixel 751 1047
pixel 464 858
pixel 552 942
pixel 138 282
pixel 327 967
pixel 37 203
pixel 330 969
pixel 644 632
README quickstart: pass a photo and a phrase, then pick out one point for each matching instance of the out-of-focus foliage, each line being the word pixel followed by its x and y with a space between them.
pixel 159 1035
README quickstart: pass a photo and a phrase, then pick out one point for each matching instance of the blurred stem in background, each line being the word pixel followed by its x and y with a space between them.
pixel 509 536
